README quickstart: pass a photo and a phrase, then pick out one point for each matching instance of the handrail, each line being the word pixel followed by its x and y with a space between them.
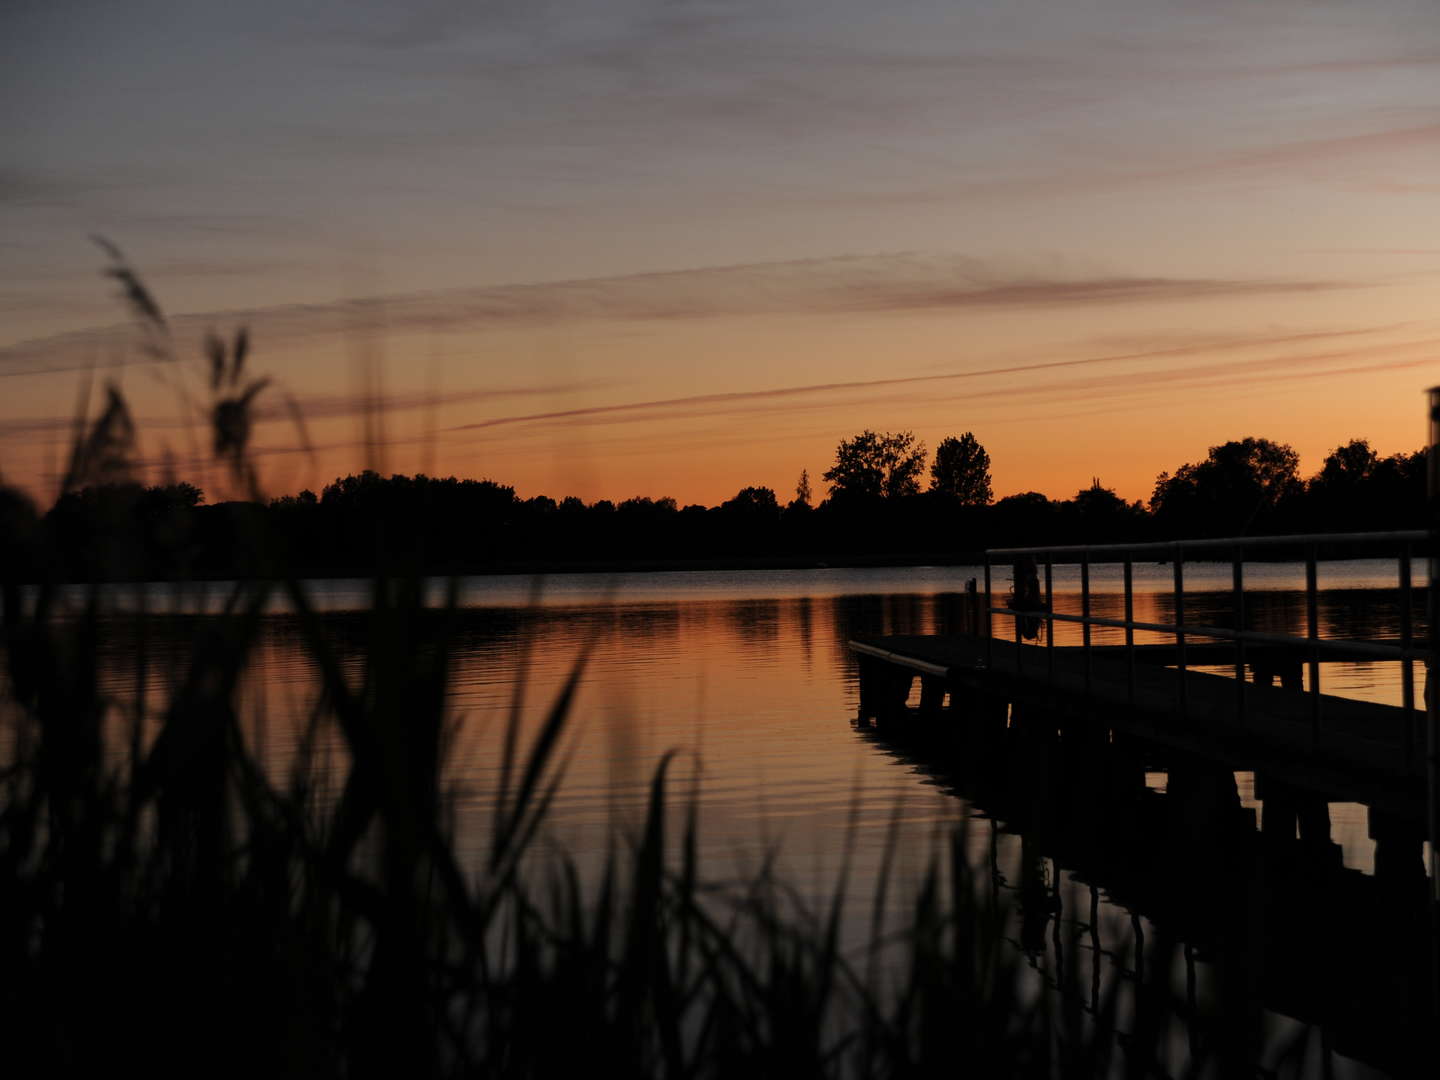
pixel 1351 646
pixel 1309 647
pixel 1394 536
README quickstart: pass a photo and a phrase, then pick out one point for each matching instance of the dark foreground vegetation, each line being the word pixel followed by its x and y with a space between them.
pixel 171 901
pixel 1246 487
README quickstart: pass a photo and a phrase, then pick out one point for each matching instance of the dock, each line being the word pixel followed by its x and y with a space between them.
pixel 1128 709
pixel 1332 746
pixel 1119 763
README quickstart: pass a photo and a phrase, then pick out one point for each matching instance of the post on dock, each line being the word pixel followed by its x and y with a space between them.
pixel 1204 804
pixel 932 695
pixel 1432 706
pixel 1399 859
pixel 1288 811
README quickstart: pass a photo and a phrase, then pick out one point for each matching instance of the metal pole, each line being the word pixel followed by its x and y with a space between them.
pixel 1130 628
pixel 1432 663
pixel 1432 693
pixel 1049 617
pixel 1407 667
pixel 1179 566
pixel 1237 578
pixel 1015 601
pixel 1312 632
pixel 989 603
pixel 1085 614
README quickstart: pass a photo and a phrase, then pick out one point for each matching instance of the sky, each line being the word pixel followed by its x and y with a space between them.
pixel 678 248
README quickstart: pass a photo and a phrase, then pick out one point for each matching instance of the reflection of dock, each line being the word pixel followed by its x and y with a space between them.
pixel 1345 750
pixel 1271 919
pixel 1056 740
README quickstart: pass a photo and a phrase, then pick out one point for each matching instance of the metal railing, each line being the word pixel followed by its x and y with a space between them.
pixel 1311 646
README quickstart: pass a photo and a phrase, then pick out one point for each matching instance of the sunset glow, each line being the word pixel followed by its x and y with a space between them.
pixel 682 249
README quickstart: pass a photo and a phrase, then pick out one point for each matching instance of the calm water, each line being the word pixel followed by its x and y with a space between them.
pixel 749 677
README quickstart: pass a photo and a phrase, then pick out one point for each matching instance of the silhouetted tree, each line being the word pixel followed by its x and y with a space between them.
pixel 1240 487
pixel 877 466
pixel 1356 487
pixel 1021 519
pixel 1096 515
pixel 124 530
pixel 962 469
pixel 752 500
pixel 304 500
pixel 644 506
pixel 802 491
pixel 1348 466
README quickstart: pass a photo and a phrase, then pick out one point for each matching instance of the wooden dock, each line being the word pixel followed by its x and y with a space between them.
pixel 1339 748
pixel 1057 744
pixel 1270 905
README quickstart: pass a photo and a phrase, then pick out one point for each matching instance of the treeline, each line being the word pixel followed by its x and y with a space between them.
pixel 875 512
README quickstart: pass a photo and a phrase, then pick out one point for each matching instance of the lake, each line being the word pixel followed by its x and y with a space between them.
pixel 747 676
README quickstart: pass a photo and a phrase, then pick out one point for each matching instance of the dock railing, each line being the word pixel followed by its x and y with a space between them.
pixel 1316 548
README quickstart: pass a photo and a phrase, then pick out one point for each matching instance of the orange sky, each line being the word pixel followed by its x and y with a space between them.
pixel 661 251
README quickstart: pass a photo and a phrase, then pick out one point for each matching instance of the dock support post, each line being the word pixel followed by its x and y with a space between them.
pixel 1280 813
pixel 932 696
pixel 1288 811
pixel 1399 853
pixel 1432 706
pixel 1205 803
pixel 884 689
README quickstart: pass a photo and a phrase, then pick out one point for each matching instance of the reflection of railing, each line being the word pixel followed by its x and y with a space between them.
pixel 1312 646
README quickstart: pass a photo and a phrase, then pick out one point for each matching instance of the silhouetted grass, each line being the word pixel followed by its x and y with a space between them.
pixel 168 904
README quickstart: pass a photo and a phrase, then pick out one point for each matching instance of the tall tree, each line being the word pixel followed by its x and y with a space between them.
pixel 875 466
pixel 1355 484
pixel 802 490
pixel 1347 466
pixel 962 469
pixel 1240 487
pixel 752 500
pixel 1096 515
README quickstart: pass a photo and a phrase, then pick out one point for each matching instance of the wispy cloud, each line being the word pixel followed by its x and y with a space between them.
pixel 343 406
pixel 906 283
pixel 747 400
pixel 313 407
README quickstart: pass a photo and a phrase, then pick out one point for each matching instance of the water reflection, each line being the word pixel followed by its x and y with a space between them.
pixel 1267 922
pixel 1202 885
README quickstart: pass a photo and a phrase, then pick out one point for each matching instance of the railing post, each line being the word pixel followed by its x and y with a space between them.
pixel 1432 692
pixel 1130 629
pixel 1432 670
pixel 1015 618
pixel 1050 616
pixel 1085 614
pixel 988 625
pixel 1312 633
pixel 1179 576
pixel 1407 666
pixel 1237 579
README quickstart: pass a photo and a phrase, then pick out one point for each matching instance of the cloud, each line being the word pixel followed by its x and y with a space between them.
pixel 340 406
pixel 1361 144
pixel 824 286
pixel 276 405
pixel 747 400
pixel 35 427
